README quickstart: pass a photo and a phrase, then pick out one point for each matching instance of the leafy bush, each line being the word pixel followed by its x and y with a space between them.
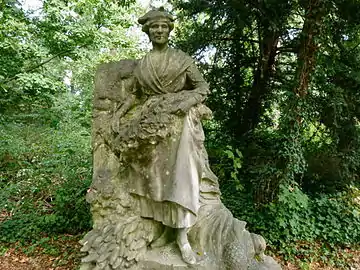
pixel 45 172
pixel 296 224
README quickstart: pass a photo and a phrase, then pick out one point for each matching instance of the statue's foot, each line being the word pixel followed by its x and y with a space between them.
pixel 187 253
pixel 182 241
pixel 162 240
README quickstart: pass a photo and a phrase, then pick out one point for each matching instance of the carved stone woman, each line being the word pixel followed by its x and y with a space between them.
pixel 151 168
pixel 166 128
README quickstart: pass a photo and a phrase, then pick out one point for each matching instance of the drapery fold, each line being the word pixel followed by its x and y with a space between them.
pixel 167 172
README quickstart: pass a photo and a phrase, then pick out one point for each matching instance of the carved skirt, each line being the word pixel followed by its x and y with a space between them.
pixel 168 213
pixel 165 174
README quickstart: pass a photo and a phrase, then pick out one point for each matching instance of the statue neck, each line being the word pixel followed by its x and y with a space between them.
pixel 160 47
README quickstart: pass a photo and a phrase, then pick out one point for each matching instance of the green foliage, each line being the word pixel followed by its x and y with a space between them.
pixel 284 140
pixel 277 76
pixel 37 52
pixel 290 90
pixel 236 158
pixel 45 175
pixel 48 61
pixel 304 227
pixel 296 225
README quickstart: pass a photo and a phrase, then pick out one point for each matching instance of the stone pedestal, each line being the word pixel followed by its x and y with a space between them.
pixel 169 258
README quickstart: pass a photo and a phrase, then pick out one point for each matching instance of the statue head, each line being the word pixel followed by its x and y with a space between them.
pixel 157 24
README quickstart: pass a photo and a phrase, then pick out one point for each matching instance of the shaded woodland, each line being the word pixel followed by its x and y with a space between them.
pixel 285 136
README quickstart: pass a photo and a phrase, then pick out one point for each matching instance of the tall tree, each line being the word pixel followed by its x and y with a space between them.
pixel 38 52
pixel 269 71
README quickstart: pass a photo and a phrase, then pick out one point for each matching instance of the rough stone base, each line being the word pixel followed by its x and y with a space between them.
pixel 169 258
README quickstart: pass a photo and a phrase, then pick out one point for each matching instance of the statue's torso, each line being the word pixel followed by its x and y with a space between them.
pixel 163 72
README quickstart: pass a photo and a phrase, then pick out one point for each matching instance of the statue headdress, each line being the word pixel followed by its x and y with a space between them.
pixel 155 15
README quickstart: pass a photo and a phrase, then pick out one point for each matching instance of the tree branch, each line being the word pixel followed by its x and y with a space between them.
pixel 40 64
pixel 287 49
pixel 242 39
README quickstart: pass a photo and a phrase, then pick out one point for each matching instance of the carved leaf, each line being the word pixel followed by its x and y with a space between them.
pixel 131 255
pixel 107 229
pixel 114 255
pixel 112 246
pixel 87 237
pixel 138 244
pixel 92 257
pixel 100 266
pixel 118 263
pixel 103 257
pixel 119 227
pixel 129 238
pixel 140 253
pixel 103 247
pixel 109 237
pixel 89 242
pixel 86 247
pixel 122 249
pixel 97 241
pixel 129 228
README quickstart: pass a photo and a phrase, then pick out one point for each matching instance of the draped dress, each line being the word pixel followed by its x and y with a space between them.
pixel 166 170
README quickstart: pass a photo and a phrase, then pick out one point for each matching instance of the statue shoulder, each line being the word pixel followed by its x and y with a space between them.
pixel 181 55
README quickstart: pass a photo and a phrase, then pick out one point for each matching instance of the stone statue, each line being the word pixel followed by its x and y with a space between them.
pixel 155 202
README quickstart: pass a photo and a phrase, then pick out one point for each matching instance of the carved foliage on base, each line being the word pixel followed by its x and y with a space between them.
pixel 118 246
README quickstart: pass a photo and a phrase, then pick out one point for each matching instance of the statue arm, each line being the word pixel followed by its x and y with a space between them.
pixel 123 107
pixel 197 83
pixel 197 90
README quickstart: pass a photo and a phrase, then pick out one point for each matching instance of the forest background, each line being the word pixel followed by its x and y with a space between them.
pixel 284 140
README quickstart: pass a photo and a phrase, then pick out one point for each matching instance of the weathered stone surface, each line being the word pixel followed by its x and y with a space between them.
pixel 120 237
pixel 142 130
pixel 169 257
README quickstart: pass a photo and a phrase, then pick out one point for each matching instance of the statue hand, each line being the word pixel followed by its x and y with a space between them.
pixel 190 100
pixel 120 110
pixel 183 107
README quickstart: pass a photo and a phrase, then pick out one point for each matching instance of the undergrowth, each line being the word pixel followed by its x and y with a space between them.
pixel 45 172
pixel 302 229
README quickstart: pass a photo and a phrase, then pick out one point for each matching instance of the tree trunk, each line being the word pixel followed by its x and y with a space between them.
pixel 261 84
pixel 291 127
pixel 253 109
pixel 308 46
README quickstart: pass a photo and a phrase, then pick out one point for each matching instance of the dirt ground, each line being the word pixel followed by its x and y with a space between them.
pixel 12 260
pixel 61 253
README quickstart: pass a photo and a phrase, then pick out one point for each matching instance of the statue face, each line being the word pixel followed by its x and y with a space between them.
pixel 159 32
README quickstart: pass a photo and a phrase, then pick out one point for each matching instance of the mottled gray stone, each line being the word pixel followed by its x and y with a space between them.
pixel 146 121
pixel 169 257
